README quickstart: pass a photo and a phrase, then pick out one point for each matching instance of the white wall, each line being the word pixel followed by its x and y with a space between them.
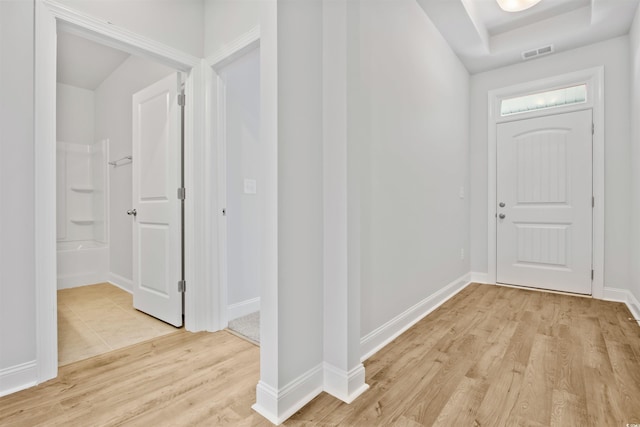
pixel 244 162
pixel 113 121
pixel 614 56
pixel 300 220
pixel 176 23
pixel 413 151
pixel 226 20
pixel 17 252
pixel 634 45
pixel 74 114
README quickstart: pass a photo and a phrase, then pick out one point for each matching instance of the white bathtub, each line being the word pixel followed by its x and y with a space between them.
pixel 82 262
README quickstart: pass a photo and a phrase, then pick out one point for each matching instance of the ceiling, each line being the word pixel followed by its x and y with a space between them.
pixel 485 37
pixel 85 64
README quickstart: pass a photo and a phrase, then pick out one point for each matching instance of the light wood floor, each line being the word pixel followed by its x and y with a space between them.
pixel 491 356
pixel 100 318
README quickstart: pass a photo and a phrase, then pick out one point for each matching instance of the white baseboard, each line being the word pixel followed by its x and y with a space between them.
pixel 243 308
pixel 278 405
pixel 346 386
pixel 380 337
pixel 477 277
pixel 19 377
pixel 76 280
pixel 121 282
pixel 625 296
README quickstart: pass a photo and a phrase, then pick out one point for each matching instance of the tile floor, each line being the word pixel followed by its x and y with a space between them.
pixel 99 318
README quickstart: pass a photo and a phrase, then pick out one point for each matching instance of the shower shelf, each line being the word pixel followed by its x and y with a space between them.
pixel 82 189
pixel 82 221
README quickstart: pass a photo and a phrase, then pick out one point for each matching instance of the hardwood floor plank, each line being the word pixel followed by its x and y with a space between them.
pixel 568 410
pixel 462 407
pixel 627 379
pixel 437 392
pixel 594 349
pixel 490 359
pixel 602 400
pixel 568 375
pixel 534 400
pixel 491 356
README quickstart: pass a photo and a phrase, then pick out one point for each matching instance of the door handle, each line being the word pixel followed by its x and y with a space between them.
pixel 501 204
pixel 132 212
pixel 502 216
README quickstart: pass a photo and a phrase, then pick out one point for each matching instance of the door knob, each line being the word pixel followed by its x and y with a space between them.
pixel 501 204
pixel 501 216
pixel 132 212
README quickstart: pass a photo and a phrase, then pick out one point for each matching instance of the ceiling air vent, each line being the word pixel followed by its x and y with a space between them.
pixel 545 50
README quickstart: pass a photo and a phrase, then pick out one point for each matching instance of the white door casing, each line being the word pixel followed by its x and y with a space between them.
pixel 51 17
pixel 157 243
pixel 544 180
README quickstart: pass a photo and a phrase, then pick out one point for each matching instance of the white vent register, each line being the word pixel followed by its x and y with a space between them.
pixel 534 53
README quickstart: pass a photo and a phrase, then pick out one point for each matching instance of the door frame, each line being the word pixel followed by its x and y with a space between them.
pixel 594 79
pixel 218 133
pixel 50 17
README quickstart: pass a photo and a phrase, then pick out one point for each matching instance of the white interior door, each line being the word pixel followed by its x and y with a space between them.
pixel 544 195
pixel 157 238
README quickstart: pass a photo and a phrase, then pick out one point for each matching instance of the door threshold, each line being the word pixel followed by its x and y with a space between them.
pixel 551 291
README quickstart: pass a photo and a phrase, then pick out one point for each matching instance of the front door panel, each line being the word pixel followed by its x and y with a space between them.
pixel 544 194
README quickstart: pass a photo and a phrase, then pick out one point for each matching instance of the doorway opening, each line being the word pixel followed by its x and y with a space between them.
pixel 95 176
pixel 52 18
pixel 242 192
pixel 593 104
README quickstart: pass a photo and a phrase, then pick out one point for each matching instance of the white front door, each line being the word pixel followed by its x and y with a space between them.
pixel 544 195
pixel 157 230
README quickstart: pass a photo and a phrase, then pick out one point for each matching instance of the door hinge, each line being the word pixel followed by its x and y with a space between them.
pixel 182 286
pixel 592 274
pixel 593 201
pixel 182 193
pixel 181 99
pixel 593 128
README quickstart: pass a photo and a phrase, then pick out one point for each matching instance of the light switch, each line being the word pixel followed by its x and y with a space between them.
pixel 249 186
pixel 461 193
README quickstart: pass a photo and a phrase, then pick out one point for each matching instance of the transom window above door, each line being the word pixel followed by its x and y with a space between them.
pixel 544 100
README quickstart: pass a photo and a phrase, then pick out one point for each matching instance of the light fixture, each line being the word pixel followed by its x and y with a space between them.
pixel 516 5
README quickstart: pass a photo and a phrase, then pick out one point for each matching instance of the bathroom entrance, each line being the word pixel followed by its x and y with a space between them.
pixel 119 219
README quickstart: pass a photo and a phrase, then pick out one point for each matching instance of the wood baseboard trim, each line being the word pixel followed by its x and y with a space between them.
pixel 277 405
pixel 383 335
pixel 243 308
pixel 343 385
pixel 121 282
pixel 19 377
pixel 476 277
pixel 625 296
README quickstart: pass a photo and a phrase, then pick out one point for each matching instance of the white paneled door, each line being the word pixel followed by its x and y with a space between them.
pixel 157 230
pixel 544 195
